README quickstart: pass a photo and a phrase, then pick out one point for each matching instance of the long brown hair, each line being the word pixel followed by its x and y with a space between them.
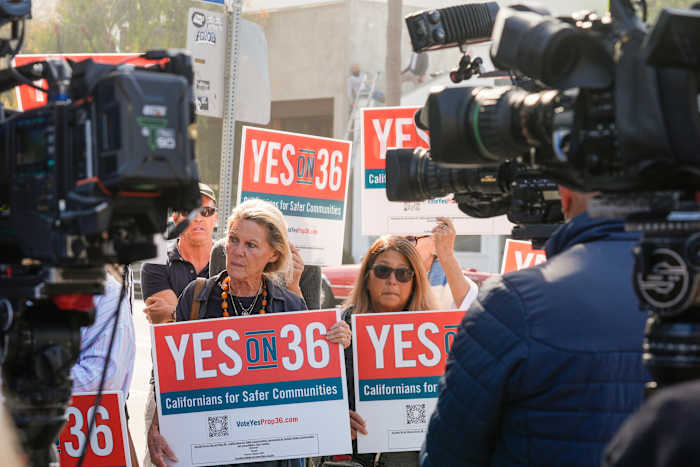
pixel 421 295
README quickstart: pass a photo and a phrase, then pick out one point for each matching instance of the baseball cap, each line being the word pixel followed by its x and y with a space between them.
pixel 206 190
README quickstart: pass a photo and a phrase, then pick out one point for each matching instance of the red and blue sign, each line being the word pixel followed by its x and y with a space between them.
pixel 402 355
pixel 253 361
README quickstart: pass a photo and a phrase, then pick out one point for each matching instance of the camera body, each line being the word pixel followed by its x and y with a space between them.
pixel 88 178
pixel 616 111
pixel 619 112
pixel 85 180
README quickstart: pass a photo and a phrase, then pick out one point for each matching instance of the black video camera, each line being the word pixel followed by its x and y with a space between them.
pixel 514 189
pixel 618 112
pixel 622 109
pixel 88 179
pixel 85 180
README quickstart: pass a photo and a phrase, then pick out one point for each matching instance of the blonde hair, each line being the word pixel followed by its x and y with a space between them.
pixel 266 215
pixel 421 297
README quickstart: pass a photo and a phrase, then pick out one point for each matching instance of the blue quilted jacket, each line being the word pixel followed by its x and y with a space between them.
pixel 547 364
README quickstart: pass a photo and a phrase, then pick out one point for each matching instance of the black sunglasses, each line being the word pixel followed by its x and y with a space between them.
pixel 204 211
pixel 383 272
pixel 414 238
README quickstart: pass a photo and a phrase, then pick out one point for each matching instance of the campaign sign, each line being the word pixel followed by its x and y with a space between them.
pixel 30 98
pixel 399 358
pixel 250 389
pixel 109 442
pixel 306 177
pixel 519 254
pixel 393 127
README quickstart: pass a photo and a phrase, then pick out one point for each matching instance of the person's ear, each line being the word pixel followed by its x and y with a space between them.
pixel 275 256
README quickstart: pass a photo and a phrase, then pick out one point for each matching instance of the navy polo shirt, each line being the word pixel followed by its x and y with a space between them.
pixel 174 275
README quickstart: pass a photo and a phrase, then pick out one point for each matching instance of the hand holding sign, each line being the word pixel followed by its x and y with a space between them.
pixel 158 448
pixel 357 423
pixel 340 333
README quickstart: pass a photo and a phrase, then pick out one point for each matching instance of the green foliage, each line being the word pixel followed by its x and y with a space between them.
pixel 109 26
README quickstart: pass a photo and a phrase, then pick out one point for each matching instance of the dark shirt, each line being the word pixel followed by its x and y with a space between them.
pixel 174 275
pixel 279 299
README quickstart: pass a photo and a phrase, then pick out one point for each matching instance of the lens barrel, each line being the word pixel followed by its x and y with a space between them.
pixel 411 175
pixel 477 126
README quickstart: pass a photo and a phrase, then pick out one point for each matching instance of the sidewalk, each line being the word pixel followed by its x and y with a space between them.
pixel 139 383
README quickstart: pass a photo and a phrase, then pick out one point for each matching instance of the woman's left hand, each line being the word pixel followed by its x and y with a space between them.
pixel 340 333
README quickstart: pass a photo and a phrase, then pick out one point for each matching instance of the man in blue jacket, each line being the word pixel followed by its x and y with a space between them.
pixel 547 364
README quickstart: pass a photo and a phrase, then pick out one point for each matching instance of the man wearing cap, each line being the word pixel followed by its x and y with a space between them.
pixel 188 258
pixel 162 284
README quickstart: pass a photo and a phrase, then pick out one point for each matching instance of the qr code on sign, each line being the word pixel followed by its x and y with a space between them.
pixel 415 414
pixel 218 426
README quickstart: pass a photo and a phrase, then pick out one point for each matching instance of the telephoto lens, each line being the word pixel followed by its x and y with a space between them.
pixel 470 127
pixel 411 175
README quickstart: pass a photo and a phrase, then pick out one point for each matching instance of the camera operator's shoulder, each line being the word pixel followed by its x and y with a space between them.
pixel 500 299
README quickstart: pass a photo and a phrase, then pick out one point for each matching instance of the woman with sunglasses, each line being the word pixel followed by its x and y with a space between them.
pixel 392 278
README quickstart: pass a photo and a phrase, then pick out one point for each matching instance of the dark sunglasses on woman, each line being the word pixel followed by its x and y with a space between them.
pixel 204 211
pixel 401 274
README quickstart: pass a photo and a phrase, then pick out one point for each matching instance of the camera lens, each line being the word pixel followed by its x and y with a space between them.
pixel 411 175
pixel 477 126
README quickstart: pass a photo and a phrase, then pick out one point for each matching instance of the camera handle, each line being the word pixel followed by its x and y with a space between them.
pixel 466 68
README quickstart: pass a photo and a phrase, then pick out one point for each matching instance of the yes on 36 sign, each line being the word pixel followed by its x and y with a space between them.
pixel 109 442
pixel 519 254
pixel 248 389
pixel 306 177
pixel 393 127
pixel 398 359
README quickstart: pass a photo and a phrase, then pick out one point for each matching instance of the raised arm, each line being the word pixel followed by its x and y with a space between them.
pixel 444 235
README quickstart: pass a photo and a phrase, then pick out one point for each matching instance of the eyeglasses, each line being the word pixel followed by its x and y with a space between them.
pixel 204 211
pixel 414 238
pixel 401 274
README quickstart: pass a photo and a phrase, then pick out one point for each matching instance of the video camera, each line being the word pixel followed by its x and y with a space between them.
pixel 85 181
pixel 515 189
pixel 617 112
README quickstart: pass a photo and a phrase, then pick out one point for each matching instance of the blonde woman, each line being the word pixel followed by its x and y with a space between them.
pixel 256 248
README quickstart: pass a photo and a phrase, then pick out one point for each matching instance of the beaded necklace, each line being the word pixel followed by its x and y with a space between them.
pixel 225 286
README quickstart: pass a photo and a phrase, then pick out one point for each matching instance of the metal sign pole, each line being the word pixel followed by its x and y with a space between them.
pixel 228 135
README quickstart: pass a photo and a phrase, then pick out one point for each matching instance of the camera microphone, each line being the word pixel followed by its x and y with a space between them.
pixel 452 26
